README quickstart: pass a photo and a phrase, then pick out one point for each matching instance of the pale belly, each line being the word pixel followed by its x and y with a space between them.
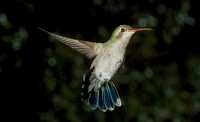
pixel 107 65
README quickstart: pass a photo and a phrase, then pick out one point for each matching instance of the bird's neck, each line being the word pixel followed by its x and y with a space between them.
pixel 124 43
pixel 119 45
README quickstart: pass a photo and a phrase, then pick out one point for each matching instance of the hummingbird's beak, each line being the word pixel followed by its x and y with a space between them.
pixel 139 29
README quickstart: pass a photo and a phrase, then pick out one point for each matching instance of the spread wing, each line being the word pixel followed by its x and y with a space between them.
pixel 89 49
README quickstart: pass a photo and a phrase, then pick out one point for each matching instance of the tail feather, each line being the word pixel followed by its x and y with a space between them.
pixel 108 102
pixel 114 94
pixel 102 105
pixel 94 100
pixel 105 98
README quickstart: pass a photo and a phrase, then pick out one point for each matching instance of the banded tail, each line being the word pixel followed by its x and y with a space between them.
pixel 105 98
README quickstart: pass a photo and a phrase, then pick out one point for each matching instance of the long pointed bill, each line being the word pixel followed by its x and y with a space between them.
pixel 139 29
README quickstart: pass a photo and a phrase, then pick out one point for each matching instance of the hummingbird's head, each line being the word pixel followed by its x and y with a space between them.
pixel 124 32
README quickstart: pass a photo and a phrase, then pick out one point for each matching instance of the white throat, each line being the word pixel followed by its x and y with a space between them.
pixel 126 38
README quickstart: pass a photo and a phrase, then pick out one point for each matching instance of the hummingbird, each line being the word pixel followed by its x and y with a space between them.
pixel 98 89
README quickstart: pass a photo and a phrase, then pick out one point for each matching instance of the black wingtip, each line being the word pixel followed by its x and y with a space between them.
pixel 85 84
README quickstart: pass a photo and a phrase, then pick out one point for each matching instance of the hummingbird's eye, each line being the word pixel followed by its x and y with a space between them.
pixel 122 30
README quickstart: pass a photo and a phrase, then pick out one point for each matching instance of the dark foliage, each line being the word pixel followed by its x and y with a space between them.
pixel 41 79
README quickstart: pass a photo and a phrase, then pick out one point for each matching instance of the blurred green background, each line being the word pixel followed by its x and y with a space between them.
pixel 41 78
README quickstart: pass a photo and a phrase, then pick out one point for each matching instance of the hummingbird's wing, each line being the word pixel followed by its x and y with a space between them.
pixel 89 49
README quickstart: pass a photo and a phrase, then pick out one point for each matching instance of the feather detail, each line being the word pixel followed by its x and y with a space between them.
pixel 114 95
pixel 105 98
pixel 89 49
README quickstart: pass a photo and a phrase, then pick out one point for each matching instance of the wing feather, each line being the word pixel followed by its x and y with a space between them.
pixel 89 49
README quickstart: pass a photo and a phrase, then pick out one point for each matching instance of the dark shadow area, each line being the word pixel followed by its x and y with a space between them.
pixel 41 78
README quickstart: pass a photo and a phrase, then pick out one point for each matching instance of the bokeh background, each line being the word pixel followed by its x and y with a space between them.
pixel 41 78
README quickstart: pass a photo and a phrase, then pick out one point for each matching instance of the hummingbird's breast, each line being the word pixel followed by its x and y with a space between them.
pixel 108 62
